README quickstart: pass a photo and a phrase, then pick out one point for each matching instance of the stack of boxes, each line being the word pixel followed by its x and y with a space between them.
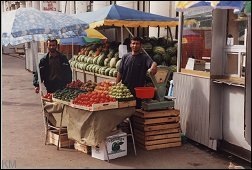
pixel 157 129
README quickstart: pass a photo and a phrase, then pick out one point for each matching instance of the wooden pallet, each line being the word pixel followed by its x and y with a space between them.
pixel 160 146
pixel 154 114
pixel 157 129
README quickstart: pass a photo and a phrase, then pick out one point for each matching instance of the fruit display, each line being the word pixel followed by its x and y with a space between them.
pixel 97 58
pixel 89 86
pixel 67 94
pixel 120 91
pixel 92 98
pixel 104 86
pixel 75 84
pixel 103 59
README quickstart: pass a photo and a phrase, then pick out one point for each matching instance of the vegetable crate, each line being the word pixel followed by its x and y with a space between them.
pixel 97 106
pixel 157 129
pixel 53 137
pixel 104 106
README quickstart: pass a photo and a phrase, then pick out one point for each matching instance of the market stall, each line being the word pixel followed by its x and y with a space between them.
pixel 212 113
pixel 123 18
pixel 91 110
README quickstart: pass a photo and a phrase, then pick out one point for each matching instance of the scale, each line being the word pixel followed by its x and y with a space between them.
pixel 161 101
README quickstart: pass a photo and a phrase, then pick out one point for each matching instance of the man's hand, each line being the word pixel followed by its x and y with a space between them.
pixel 153 69
pixel 36 89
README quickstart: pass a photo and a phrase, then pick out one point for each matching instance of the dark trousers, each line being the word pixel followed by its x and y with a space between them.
pixel 138 103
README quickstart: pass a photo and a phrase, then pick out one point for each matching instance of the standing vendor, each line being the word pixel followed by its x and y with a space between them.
pixel 55 70
pixel 133 68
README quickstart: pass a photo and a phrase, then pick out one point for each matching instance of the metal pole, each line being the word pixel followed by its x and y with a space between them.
pixel 72 48
pixel 142 47
pixel 122 35
pixel 180 34
pixel 169 29
pixel 40 85
pixel 65 7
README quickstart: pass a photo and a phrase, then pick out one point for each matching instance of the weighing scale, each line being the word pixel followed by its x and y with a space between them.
pixel 161 101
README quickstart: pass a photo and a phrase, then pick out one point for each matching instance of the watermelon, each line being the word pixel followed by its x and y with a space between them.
pixel 113 62
pixel 118 64
pixel 106 61
pixel 107 71
pixel 95 59
pixel 100 60
pixel 158 58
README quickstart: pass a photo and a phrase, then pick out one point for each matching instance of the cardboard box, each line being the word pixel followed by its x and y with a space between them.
pixel 116 146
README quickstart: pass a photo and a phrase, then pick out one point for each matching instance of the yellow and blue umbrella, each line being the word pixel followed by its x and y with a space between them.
pixel 183 6
pixel 92 36
pixel 118 16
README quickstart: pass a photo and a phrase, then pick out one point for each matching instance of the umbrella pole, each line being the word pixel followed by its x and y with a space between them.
pixel 40 85
pixel 72 48
pixel 142 47
pixel 122 35
pixel 180 34
pixel 169 29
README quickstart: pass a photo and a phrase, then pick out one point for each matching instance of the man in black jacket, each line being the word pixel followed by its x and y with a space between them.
pixel 55 70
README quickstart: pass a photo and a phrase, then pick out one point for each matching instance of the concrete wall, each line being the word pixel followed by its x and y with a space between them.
pixel 81 7
pixel 164 8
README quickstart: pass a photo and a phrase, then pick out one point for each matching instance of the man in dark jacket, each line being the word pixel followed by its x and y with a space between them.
pixel 55 70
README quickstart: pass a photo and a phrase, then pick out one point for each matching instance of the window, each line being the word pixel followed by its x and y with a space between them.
pixel 90 6
pixel 235 49
pixel 236 28
pixel 197 40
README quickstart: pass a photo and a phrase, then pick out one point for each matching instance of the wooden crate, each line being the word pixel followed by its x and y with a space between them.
pixel 81 147
pixel 53 138
pixel 124 104
pixel 61 101
pixel 98 106
pixel 104 106
pixel 157 129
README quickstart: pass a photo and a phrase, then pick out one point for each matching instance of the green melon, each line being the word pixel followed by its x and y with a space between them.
pixel 107 71
pixel 106 61
pixel 158 58
pixel 118 64
pixel 113 62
